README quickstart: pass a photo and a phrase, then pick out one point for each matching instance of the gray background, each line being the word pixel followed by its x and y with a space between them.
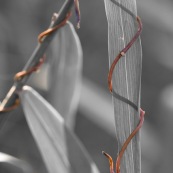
pixel 22 21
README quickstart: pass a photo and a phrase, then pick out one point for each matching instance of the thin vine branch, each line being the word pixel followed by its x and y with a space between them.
pixel 142 113
pixel 123 52
pixel 35 57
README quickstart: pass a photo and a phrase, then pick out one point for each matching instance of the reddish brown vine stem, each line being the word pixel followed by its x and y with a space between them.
pixel 119 157
pixel 22 74
pixel 123 52
pixel 142 113
pixel 111 162
pixel 51 30
pixel 18 77
pixel 14 106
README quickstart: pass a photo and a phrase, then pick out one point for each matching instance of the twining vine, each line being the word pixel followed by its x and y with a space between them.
pixel 111 70
pixel 49 31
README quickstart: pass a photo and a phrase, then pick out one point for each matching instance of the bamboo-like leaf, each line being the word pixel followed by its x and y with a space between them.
pixel 126 77
pixel 59 147
pixel 63 75
pixel 65 72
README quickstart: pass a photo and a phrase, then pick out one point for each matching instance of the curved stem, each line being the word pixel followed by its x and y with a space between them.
pixel 123 52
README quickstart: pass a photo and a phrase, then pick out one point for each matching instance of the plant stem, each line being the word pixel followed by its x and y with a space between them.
pixel 35 57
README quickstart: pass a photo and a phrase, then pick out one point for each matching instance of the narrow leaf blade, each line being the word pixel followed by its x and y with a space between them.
pixel 122 26
pixel 65 72
pixel 60 77
pixel 60 148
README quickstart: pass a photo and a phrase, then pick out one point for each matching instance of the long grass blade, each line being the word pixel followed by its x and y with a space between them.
pixel 126 77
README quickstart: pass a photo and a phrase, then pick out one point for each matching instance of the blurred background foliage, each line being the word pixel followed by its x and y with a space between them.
pixel 22 21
